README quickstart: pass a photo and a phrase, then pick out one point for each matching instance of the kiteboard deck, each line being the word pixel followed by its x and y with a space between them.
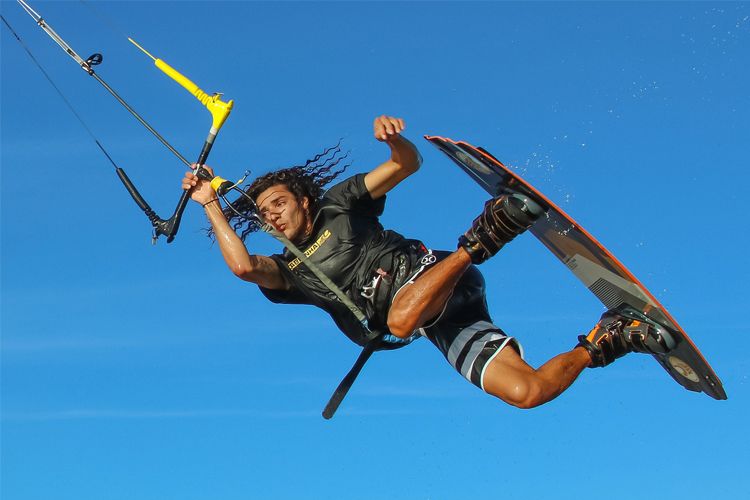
pixel 590 262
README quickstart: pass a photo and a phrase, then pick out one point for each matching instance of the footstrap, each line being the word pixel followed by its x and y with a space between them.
pixel 637 333
pixel 606 350
pixel 597 358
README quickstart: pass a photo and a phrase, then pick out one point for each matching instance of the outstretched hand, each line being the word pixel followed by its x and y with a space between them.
pixel 388 128
pixel 202 192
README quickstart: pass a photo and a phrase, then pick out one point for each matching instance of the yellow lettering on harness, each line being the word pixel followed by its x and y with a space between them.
pixel 312 249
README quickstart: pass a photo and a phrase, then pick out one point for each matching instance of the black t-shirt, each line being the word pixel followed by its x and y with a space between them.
pixel 348 244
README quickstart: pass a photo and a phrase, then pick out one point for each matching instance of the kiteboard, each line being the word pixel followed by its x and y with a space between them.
pixel 590 262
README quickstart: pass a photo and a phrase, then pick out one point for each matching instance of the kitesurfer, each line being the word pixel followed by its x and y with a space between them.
pixel 406 289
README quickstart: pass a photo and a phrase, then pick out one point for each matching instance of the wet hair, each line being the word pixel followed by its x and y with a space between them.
pixel 308 180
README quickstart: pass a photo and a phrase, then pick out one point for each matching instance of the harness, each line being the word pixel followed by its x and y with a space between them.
pixel 378 296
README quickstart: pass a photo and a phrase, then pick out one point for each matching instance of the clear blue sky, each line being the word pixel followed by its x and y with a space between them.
pixel 137 371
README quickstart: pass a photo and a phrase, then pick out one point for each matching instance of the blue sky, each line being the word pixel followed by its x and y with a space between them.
pixel 149 372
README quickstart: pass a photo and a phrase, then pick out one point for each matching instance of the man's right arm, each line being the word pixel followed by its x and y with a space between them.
pixel 258 269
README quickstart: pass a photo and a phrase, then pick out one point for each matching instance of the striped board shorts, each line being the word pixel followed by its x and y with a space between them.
pixel 464 331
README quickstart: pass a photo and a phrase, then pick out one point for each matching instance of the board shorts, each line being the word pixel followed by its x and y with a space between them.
pixel 464 331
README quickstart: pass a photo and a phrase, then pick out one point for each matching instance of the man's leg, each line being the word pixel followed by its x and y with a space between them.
pixel 510 378
pixel 619 331
pixel 502 219
pixel 424 299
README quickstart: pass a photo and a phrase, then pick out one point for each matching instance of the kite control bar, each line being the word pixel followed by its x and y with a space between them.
pixel 219 111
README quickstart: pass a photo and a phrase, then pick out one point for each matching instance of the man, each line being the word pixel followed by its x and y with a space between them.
pixel 406 290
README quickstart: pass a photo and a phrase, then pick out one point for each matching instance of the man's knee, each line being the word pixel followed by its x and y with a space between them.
pixel 510 379
pixel 525 393
pixel 401 323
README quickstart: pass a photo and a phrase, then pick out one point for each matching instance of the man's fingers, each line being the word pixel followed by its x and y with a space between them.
pixel 392 125
pixel 380 129
pixel 205 167
pixel 189 181
pixel 386 126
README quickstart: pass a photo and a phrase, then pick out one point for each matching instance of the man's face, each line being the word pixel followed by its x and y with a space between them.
pixel 279 207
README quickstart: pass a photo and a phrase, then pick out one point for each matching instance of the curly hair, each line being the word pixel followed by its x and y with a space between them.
pixel 308 180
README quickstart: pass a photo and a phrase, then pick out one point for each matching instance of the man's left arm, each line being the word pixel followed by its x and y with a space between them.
pixel 404 161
